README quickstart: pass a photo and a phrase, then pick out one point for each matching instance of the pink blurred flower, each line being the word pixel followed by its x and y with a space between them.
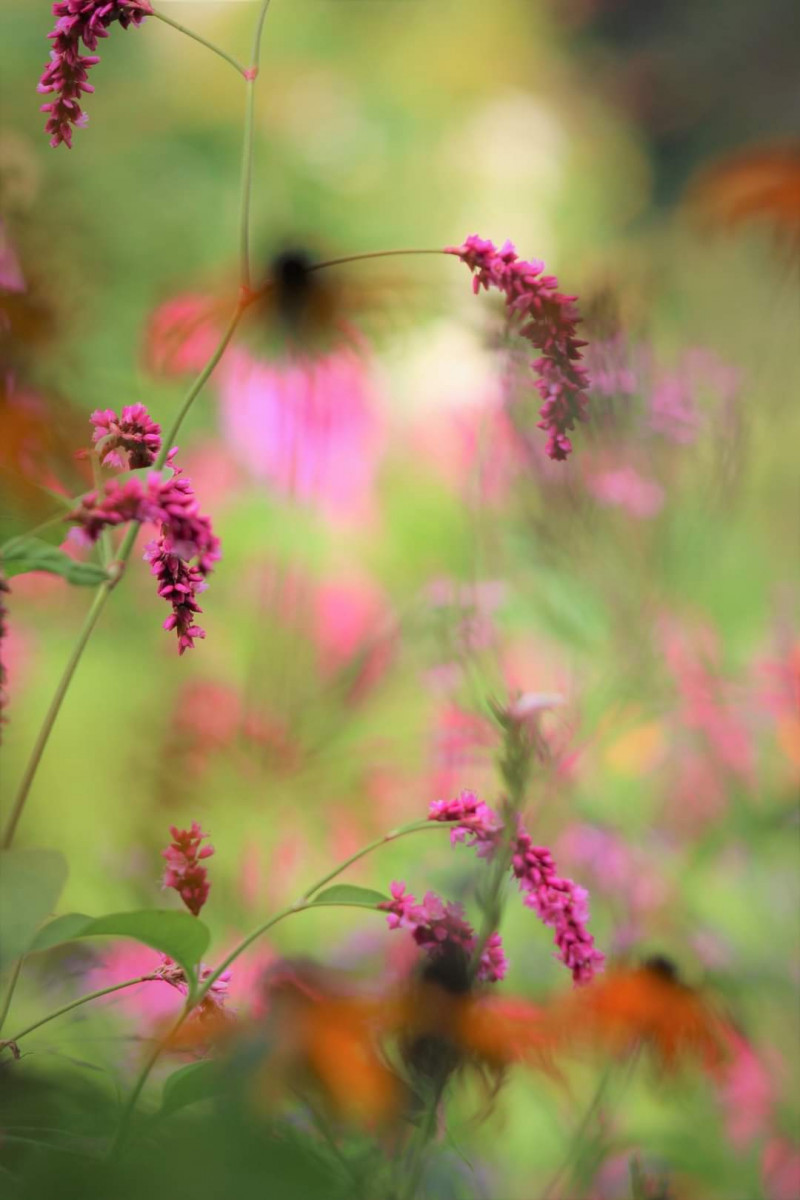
pixel 462 746
pixel 435 923
pixel 129 441
pixel 66 73
pixel 184 871
pixel 182 335
pixel 781 1169
pixel 306 427
pixel 704 698
pixel 747 1093
pixel 626 488
pixel 674 409
pixel 546 318
pixel 610 369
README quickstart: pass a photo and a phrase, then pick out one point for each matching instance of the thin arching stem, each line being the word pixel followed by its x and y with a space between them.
pixel 247 150
pixel 196 37
pixel 115 987
pixel 351 258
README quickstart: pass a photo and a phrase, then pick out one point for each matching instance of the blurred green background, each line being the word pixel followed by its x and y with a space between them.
pixel 662 606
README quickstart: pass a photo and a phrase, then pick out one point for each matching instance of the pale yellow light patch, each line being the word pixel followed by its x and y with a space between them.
pixel 638 750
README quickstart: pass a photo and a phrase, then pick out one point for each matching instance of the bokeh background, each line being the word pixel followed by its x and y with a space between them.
pixel 396 548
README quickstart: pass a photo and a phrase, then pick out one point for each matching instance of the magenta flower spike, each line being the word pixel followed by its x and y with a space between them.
pixel 185 871
pixel 185 532
pixel 66 74
pixel 548 320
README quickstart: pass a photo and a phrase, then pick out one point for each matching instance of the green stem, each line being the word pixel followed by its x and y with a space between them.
pixel 196 37
pixel 115 987
pixel 92 617
pixel 578 1136
pixel 247 149
pixel 414 827
pixel 351 258
pixel 197 386
pixel 12 983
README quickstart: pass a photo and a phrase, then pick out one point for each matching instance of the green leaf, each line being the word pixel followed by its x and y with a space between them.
pixel 347 893
pixel 178 934
pixel 190 1084
pixel 30 883
pixel 33 554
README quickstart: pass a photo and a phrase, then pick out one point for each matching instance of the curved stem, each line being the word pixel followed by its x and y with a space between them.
pixel 196 37
pixel 414 827
pixel 115 987
pixel 92 617
pixel 350 258
pixel 247 149
pixel 198 385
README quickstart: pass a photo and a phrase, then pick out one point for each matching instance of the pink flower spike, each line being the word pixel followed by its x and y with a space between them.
pixel 66 72
pixel 559 903
pixel 471 818
pixel 129 441
pixel 184 872
pixel 548 320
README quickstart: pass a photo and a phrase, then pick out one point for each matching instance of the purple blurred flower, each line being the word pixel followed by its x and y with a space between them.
pixel 435 923
pixel 625 488
pixel 307 427
pixel 129 441
pixel 548 320
pixel 67 72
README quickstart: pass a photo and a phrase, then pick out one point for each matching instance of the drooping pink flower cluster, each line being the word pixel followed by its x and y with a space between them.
pixel 558 902
pixel 66 74
pixel 185 534
pixel 435 923
pixel 129 441
pixel 548 320
pixel 178 583
pixel 184 870
pixel 471 819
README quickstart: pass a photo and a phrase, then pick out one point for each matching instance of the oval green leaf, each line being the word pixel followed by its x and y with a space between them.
pixel 180 935
pixel 30 883
pixel 348 893
pixel 34 554
pixel 189 1085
